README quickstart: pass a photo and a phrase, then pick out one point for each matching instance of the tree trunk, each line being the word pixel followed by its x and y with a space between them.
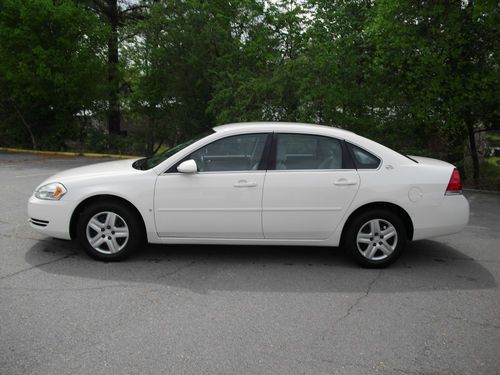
pixel 28 128
pixel 158 146
pixel 473 151
pixel 114 117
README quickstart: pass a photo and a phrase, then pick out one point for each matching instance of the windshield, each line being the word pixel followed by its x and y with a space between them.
pixel 153 161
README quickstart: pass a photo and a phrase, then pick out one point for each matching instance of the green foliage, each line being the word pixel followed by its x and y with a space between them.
pixel 490 168
pixel 439 63
pixel 259 78
pixel 419 76
pixel 339 82
pixel 170 71
pixel 49 70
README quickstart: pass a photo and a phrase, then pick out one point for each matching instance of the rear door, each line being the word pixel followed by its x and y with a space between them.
pixel 311 186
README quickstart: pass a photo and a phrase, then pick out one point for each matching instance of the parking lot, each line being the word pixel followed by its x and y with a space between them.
pixel 242 309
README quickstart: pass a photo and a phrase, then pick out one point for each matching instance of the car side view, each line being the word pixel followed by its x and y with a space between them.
pixel 259 183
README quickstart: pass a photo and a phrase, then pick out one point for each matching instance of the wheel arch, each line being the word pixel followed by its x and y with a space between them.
pixel 100 198
pixel 398 210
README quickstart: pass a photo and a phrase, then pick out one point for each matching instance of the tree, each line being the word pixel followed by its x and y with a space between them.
pixel 49 66
pixel 173 67
pixel 258 79
pixel 441 61
pixel 115 14
pixel 338 81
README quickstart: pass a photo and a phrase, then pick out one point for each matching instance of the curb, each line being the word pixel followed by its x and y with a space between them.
pixel 482 191
pixel 63 153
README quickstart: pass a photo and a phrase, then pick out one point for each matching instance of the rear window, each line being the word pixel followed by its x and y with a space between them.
pixel 363 159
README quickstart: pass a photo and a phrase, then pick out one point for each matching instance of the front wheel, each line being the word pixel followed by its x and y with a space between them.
pixel 376 238
pixel 109 231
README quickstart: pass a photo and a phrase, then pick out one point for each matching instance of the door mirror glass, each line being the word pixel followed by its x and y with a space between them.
pixel 188 166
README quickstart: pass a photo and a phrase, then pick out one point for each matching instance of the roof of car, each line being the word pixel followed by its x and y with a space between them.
pixel 272 126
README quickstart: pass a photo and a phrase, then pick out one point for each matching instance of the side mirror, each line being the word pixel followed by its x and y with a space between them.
pixel 188 166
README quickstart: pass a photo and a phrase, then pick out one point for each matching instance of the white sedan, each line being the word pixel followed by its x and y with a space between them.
pixel 256 184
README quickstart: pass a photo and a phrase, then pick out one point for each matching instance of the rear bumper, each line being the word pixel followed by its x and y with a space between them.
pixel 50 217
pixel 448 218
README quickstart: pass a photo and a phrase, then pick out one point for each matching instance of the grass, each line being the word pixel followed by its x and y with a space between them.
pixel 494 162
pixel 490 174
pixel 493 137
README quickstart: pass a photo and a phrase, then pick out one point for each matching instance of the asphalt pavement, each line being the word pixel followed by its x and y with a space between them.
pixel 242 309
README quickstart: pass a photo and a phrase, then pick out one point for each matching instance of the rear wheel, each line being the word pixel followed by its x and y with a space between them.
pixel 376 238
pixel 109 231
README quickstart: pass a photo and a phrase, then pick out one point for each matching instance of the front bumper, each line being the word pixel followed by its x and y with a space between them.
pixel 51 218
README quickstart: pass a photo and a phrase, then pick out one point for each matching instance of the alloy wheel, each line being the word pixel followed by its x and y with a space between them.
pixel 107 232
pixel 377 239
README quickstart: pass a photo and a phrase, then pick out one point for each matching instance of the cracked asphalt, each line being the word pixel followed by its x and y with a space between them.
pixel 243 310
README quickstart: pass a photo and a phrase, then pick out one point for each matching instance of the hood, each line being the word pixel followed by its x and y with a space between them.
pixel 109 168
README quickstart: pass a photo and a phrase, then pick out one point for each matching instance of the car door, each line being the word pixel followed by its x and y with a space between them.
pixel 223 199
pixel 311 186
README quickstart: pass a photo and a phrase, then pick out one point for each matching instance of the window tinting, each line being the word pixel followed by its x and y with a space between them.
pixel 236 153
pixel 305 151
pixel 363 159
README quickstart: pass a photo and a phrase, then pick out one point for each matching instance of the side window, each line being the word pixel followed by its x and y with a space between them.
pixel 236 153
pixel 305 151
pixel 363 159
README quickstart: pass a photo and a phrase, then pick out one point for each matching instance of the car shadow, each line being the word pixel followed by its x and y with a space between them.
pixel 425 265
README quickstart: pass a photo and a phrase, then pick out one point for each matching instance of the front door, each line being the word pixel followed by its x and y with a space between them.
pixel 222 200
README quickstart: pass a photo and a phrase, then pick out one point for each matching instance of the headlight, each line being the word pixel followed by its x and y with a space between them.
pixel 53 191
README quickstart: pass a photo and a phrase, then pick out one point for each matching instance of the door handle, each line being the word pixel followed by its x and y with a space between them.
pixel 244 183
pixel 345 182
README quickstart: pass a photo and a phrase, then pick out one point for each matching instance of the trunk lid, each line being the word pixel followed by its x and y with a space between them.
pixel 431 162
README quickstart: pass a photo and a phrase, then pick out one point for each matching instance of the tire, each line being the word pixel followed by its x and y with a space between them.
pixel 109 231
pixel 376 238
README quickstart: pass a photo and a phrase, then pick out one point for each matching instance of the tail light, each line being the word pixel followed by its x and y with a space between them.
pixel 455 184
